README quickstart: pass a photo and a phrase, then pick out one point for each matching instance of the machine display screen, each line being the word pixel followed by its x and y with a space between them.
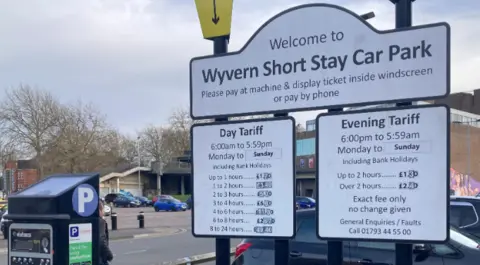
pixel 31 240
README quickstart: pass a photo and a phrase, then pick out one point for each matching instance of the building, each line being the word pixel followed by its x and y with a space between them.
pixel 136 180
pixel 20 174
pixel 464 101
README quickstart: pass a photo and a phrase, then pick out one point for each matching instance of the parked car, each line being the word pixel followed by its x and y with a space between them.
pixel 189 202
pixel 2 226
pixel 161 196
pixel 144 201
pixel 169 205
pixel 306 248
pixel 124 201
pixel 464 213
pixel 305 202
pixel 109 198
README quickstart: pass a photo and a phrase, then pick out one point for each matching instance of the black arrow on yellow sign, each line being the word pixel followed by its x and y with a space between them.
pixel 215 18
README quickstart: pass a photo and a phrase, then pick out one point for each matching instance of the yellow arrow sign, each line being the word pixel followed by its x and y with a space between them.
pixel 215 17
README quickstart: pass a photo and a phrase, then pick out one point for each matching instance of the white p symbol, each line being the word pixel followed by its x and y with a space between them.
pixel 74 230
pixel 85 195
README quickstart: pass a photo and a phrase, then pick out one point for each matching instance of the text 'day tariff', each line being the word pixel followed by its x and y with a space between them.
pixel 387 173
pixel 243 178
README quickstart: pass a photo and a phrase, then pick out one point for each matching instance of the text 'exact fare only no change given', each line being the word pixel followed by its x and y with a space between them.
pixel 387 171
pixel 319 56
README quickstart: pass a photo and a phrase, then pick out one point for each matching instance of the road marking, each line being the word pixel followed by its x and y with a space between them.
pixel 135 252
pixel 152 235
pixel 141 235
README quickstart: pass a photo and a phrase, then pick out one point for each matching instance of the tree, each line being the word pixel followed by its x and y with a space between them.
pixel 177 136
pixel 153 142
pixel 30 118
pixel 81 129
pixel 128 149
pixel 300 128
pixel 8 150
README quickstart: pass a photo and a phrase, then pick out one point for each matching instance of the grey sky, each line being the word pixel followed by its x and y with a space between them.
pixel 130 57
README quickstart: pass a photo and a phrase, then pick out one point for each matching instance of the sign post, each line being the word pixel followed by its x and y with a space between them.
pixel 286 67
pixel 403 19
pixel 215 20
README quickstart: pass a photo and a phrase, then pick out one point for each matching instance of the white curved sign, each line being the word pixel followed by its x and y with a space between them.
pixel 321 56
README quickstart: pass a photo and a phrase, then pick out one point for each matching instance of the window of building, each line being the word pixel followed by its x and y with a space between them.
pixel 306 147
pixel 311 125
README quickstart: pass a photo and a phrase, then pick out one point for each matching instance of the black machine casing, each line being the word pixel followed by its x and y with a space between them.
pixel 48 206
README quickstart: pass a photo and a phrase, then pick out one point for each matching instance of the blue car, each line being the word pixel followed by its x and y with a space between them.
pixel 125 201
pixel 305 202
pixel 144 201
pixel 169 205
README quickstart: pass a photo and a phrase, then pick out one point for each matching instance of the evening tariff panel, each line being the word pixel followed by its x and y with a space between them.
pixel 387 171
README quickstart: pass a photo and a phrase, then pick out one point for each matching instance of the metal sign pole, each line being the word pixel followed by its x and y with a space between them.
pixel 282 247
pixel 215 21
pixel 335 248
pixel 403 18
pixel 222 245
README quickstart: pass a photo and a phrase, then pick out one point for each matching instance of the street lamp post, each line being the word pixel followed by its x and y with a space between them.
pixel 139 164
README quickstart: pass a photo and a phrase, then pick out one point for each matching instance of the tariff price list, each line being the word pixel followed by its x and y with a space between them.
pixel 384 163
pixel 248 185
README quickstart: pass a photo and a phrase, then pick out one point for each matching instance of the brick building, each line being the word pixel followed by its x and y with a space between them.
pixel 20 174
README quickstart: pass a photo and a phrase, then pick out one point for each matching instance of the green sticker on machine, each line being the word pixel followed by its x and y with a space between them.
pixel 80 244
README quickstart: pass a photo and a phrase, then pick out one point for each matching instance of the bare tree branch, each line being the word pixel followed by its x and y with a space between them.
pixel 300 128
pixel 30 118
pixel 81 127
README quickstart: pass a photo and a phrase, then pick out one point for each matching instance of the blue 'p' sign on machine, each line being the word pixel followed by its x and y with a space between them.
pixel 85 200
pixel 54 218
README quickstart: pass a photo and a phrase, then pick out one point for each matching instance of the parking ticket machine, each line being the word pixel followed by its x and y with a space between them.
pixel 55 222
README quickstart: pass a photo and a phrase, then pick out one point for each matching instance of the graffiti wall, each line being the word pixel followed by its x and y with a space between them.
pixel 462 184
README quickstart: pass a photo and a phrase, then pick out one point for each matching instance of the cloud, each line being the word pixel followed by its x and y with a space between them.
pixel 131 57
